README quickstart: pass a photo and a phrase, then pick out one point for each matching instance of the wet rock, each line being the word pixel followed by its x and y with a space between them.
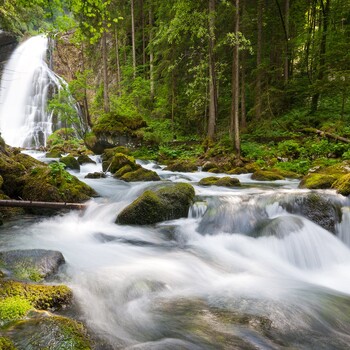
pixel 281 226
pixel 95 175
pixel 140 174
pixel 318 181
pixel 118 161
pixel 70 162
pixel 182 166
pixel 46 331
pixel 54 154
pixel 32 264
pixel 168 203
pixel 220 181
pixel 320 209
pixel 85 159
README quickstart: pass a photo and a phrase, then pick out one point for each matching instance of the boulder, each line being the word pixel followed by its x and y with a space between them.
pixel 140 174
pixel 318 181
pixel 317 208
pixel 342 185
pixel 220 181
pixel 167 203
pixel 85 159
pixel 70 162
pixel 267 175
pixel 118 161
pixel 182 166
pixel 31 264
pixel 96 175
pixel 54 154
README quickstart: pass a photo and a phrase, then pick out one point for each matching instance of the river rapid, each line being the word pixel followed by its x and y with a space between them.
pixel 239 272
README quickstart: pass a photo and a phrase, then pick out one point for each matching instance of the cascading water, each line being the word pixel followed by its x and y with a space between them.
pixel 241 272
pixel 26 85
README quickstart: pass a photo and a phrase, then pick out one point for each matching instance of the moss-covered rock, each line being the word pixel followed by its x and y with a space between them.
pixel 42 297
pixel 237 171
pixel 267 175
pixel 54 154
pixel 225 181
pixel 118 161
pixel 96 175
pixel 125 169
pixel 140 174
pixel 6 344
pixel 209 165
pixel 54 184
pixel 70 162
pixel 342 185
pixel 85 159
pixel 183 166
pixel 45 331
pixel 318 181
pixel 168 203
pixel 31 264
pixel 13 308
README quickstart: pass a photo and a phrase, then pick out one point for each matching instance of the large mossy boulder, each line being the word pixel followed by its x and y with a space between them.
pixel 54 184
pixel 225 181
pixel 85 159
pixel 49 332
pixel 118 161
pixel 342 185
pixel 70 162
pixel 167 203
pixel 31 264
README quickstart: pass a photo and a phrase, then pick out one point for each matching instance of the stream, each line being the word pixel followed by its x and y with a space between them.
pixel 240 272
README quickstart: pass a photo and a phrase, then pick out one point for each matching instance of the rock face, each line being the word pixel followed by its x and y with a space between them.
pixel 320 210
pixel 32 264
pixel 220 181
pixel 167 203
pixel 8 43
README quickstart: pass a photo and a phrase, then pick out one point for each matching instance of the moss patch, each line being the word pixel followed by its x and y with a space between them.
pixel 342 185
pixel 315 181
pixel 70 162
pixel 6 344
pixel 183 166
pixel 13 308
pixel 140 174
pixel 264 175
pixel 217 181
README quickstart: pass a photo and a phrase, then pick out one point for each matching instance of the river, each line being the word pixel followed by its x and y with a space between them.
pixel 240 272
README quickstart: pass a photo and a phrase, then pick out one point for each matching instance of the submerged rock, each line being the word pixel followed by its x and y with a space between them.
pixel 31 264
pixel 220 181
pixel 168 203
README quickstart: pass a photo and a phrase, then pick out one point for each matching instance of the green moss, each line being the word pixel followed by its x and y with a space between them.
pixel 6 344
pixel 70 162
pixel 318 181
pixel 85 159
pixel 342 185
pixel 13 308
pixel 23 272
pixel 168 203
pixel 118 161
pixel 264 175
pixel 125 169
pixel 238 170
pixel 183 166
pixel 217 181
pixel 54 154
pixel 40 296
pixel 140 174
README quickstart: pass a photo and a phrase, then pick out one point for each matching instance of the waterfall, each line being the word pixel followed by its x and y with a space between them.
pixel 26 84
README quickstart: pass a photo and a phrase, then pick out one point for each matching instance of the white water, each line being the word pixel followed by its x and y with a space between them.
pixel 26 84
pixel 160 287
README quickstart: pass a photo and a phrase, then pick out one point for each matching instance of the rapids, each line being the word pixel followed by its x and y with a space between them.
pixel 239 272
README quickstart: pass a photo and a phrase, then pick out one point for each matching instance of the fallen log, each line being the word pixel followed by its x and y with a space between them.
pixel 327 134
pixel 37 204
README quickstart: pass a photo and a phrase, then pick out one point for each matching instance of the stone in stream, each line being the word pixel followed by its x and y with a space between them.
pixel 167 203
pixel 31 264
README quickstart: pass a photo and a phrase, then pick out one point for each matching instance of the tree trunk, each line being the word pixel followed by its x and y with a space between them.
pixel 258 98
pixel 323 45
pixel 143 36
pixel 287 54
pixel 151 57
pixel 119 75
pixel 212 75
pixel 235 87
pixel 243 101
pixel 105 73
pixel 85 100
pixel 133 39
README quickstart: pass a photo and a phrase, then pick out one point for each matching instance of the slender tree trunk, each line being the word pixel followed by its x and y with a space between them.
pixel 288 53
pixel 258 90
pixel 173 105
pixel 235 87
pixel 323 45
pixel 212 75
pixel 243 101
pixel 85 101
pixel 151 56
pixel 119 75
pixel 143 35
pixel 105 73
pixel 133 39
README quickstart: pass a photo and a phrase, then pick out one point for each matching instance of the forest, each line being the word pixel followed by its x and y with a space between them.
pixel 248 79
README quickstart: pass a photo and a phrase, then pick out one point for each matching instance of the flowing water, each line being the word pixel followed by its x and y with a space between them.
pixel 26 84
pixel 239 272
